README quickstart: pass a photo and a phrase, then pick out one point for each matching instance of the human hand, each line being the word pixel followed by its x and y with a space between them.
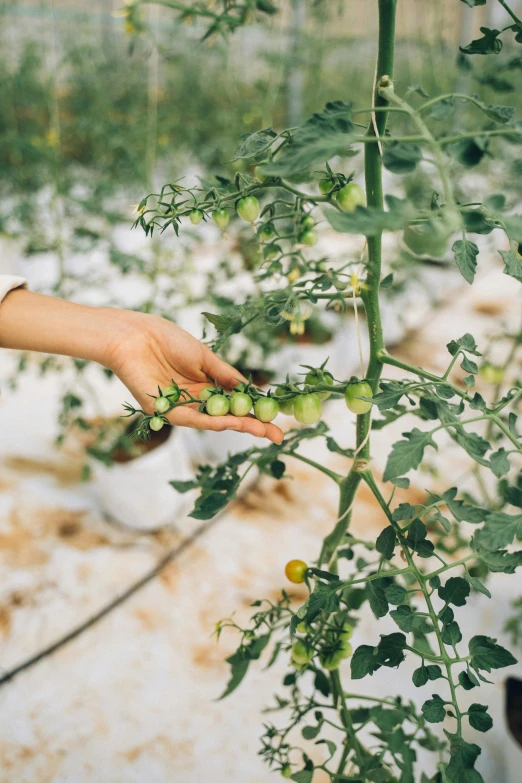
pixel 147 351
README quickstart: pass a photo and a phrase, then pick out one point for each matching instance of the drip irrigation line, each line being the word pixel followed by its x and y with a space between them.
pixel 168 558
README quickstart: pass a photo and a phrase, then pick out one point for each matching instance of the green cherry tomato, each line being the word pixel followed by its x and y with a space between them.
pixel 217 405
pixel 303 628
pixel 196 216
pixel 258 174
pixel 240 404
pixel 316 377
pixel 307 221
pixel 355 390
pixel 206 393
pixel 286 406
pixel 345 650
pixel 308 237
pixel 430 237
pixel 221 218
pixel 248 208
pixel 346 632
pixel 295 571
pixel 492 373
pixel 330 661
pixel 172 392
pixel 286 771
pixel 271 251
pixel 350 196
pixel 161 404
pixel 307 408
pixel 325 186
pixel 302 652
pixel 266 409
pixel 156 423
pixel 267 232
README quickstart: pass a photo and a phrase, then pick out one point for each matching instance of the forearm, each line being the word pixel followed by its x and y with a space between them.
pixel 34 322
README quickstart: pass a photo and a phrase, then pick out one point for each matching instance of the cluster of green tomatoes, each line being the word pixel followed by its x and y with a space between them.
pixel 330 642
pixel 348 198
pixel 306 406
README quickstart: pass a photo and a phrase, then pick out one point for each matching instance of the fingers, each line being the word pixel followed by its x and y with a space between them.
pixel 185 416
pixel 224 374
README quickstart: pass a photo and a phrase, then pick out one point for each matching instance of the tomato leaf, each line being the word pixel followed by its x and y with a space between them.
pixel 490 43
pixel 324 135
pixel 486 654
pixel 479 718
pixel 433 709
pixel 461 767
pixel 386 541
pixel 408 453
pixel 512 263
pixel 466 253
pixel 455 591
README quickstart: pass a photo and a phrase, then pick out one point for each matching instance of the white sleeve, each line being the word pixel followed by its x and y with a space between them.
pixel 8 282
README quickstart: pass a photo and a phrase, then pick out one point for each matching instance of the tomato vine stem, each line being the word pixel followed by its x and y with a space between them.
pixel 370 294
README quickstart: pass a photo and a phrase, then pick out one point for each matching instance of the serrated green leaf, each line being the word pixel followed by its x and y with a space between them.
pixel 425 673
pixel 369 221
pixel 499 463
pixel 407 454
pixel 401 158
pixel 486 654
pixel 254 144
pixel 455 591
pixel 466 253
pixel 386 541
pixel 324 135
pixel 512 263
pixel 433 709
pixel 461 767
pixel 499 531
pixel 479 718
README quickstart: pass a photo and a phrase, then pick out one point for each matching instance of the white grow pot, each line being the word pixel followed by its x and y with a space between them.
pixel 137 494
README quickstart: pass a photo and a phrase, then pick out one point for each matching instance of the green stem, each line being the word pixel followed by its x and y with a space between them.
pixel 370 296
pixel 331 473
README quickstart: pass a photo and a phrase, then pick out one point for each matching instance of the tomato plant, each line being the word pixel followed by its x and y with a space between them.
pixel 423 566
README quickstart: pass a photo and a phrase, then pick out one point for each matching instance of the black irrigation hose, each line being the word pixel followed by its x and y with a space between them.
pixel 172 555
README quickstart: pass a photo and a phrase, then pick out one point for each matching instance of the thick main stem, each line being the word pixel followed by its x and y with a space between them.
pixel 370 297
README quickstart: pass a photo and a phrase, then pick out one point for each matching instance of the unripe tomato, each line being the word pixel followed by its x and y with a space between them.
pixel 248 208
pixel 266 409
pixel 258 174
pixel 355 390
pixel 350 196
pixel 217 405
pixel 303 628
pixel 206 393
pixel 430 237
pixel 267 232
pixel 161 404
pixel 286 406
pixel 240 404
pixel 271 251
pixel 346 632
pixel 286 771
pixel 330 661
pixel 302 652
pixel 196 216
pixel 307 221
pixel 156 423
pixel 325 186
pixel 295 571
pixel 316 377
pixel 492 374
pixel 221 218
pixel 172 392
pixel 308 237
pixel 307 408
pixel 345 650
